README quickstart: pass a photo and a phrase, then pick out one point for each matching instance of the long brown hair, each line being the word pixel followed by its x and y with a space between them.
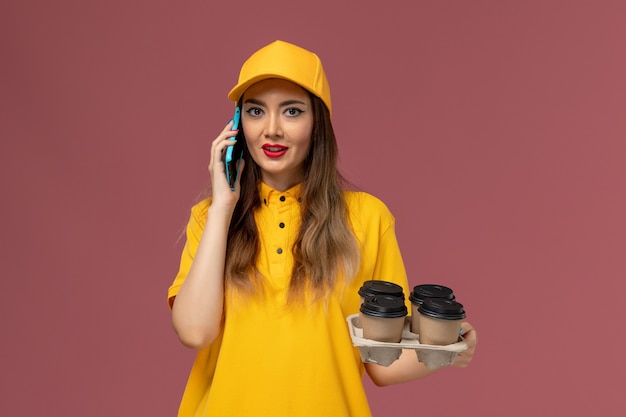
pixel 326 249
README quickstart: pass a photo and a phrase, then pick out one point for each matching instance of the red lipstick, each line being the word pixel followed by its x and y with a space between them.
pixel 274 151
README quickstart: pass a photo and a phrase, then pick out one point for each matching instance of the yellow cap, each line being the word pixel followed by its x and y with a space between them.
pixel 284 60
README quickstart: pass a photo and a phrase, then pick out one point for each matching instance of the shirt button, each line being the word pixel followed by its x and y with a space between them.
pixel 282 198
pixel 279 251
pixel 281 225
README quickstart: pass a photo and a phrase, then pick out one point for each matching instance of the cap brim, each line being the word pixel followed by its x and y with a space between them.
pixel 237 91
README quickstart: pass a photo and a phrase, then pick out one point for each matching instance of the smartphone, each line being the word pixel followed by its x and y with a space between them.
pixel 233 154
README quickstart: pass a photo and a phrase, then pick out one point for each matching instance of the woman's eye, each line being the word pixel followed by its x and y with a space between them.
pixel 255 111
pixel 292 111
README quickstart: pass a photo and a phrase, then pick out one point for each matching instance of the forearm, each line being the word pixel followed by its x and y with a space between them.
pixel 404 369
pixel 198 307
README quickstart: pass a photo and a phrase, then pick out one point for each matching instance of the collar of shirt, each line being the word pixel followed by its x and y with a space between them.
pixel 271 196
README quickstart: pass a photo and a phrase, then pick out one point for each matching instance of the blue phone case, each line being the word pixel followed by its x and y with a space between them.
pixel 232 173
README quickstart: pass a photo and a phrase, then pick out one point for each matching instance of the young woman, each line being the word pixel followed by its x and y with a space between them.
pixel 271 269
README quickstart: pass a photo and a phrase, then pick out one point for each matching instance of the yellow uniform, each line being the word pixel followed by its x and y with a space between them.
pixel 274 361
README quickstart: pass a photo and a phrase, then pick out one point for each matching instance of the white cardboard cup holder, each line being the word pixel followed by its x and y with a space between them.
pixel 385 353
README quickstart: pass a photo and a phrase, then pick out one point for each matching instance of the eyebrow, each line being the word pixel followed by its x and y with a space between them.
pixel 282 104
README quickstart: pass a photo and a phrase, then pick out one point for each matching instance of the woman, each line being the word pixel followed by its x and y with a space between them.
pixel 271 269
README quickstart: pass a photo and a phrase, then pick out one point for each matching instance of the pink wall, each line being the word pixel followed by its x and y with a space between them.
pixel 494 130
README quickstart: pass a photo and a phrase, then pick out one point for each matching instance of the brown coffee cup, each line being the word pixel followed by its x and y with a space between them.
pixel 421 292
pixel 440 321
pixel 382 318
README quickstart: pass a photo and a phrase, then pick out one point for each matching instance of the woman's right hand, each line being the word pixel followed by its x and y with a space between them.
pixel 222 194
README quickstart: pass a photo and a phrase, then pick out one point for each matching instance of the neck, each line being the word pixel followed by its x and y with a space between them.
pixel 282 182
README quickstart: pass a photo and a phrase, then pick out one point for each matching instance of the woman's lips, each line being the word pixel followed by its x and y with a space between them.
pixel 274 151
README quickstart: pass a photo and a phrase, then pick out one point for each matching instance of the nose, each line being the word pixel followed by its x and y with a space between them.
pixel 273 128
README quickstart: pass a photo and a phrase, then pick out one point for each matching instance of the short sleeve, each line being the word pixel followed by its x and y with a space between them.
pixel 195 227
pixel 381 259
pixel 389 265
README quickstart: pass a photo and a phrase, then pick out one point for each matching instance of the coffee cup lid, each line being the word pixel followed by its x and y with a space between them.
pixel 438 308
pixel 420 292
pixel 379 287
pixel 384 306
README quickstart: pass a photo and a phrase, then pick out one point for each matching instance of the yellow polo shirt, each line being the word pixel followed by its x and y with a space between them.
pixel 273 361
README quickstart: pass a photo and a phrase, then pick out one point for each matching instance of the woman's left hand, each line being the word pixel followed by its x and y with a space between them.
pixel 464 358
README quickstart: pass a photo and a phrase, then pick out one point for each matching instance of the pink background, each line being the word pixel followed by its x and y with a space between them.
pixel 494 130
